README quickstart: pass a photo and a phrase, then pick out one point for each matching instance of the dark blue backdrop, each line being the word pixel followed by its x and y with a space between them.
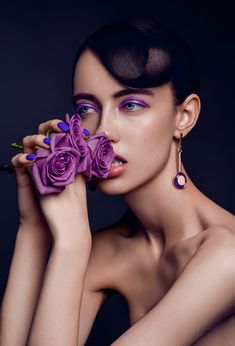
pixel 38 46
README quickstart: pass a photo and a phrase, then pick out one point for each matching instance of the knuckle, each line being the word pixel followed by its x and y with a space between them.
pixel 13 160
pixel 40 127
pixel 21 158
pixel 48 124
pixel 54 123
pixel 35 137
pixel 40 138
pixel 26 140
pixel 16 160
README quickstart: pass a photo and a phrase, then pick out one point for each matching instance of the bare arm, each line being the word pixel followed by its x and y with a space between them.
pixel 221 334
pixel 25 280
pixel 23 285
pixel 67 264
pixel 99 275
pixel 56 318
pixel 201 296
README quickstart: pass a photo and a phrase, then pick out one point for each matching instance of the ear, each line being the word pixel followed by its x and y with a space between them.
pixel 187 115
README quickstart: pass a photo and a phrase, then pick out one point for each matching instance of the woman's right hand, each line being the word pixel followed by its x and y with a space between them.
pixel 30 213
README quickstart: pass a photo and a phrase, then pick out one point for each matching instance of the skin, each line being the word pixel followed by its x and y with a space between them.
pixel 180 235
pixel 148 138
pixel 171 223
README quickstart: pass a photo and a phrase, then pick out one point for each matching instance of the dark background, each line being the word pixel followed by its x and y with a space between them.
pixel 38 43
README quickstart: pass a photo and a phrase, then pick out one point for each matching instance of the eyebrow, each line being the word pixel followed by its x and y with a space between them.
pixel 117 94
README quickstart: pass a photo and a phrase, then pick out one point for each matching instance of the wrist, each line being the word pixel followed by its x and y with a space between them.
pixel 35 240
pixel 35 230
pixel 72 235
pixel 74 247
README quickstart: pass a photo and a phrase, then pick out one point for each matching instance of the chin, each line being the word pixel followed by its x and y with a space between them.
pixel 112 186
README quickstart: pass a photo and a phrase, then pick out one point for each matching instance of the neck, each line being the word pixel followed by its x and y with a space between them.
pixel 167 212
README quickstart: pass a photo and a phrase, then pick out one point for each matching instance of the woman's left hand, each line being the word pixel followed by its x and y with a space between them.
pixel 66 212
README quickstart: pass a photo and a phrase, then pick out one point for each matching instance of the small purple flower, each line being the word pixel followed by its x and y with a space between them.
pixel 53 172
pixel 76 133
pixel 102 154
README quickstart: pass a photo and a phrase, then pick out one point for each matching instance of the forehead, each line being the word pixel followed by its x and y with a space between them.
pixel 90 73
pixel 91 76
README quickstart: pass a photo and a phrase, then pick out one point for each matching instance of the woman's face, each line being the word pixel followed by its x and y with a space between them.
pixel 140 126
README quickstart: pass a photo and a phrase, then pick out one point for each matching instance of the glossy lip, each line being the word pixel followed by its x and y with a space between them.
pixel 119 157
pixel 116 170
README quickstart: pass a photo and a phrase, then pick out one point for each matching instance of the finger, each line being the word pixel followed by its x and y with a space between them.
pixel 30 143
pixel 56 125
pixel 15 161
pixel 21 160
pixel 20 169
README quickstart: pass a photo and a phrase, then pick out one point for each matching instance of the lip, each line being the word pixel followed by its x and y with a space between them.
pixel 115 171
pixel 119 157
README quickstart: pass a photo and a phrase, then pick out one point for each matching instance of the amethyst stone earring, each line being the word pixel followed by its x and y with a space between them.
pixel 180 180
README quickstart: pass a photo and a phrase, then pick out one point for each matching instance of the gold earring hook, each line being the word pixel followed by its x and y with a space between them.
pixel 180 151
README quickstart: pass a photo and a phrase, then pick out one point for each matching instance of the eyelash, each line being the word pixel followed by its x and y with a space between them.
pixel 77 108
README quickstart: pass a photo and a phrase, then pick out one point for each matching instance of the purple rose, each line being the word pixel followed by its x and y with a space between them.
pixel 76 134
pixel 78 142
pixel 70 154
pixel 57 166
pixel 102 154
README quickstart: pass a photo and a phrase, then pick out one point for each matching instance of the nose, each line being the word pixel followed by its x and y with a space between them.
pixel 109 127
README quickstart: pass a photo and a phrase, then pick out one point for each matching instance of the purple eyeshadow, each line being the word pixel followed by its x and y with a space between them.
pixel 123 103
pixel 81 105
pixel 136 101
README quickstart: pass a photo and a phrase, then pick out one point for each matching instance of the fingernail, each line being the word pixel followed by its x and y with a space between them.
pixel 30 157
pixel 47 140
pixel 86 132
pixel 63 126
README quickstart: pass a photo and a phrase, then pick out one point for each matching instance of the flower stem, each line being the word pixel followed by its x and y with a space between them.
pixel 49 132
pixel 15 145
pixel 8 168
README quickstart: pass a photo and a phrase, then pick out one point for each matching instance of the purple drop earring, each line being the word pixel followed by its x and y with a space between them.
pixel 180 180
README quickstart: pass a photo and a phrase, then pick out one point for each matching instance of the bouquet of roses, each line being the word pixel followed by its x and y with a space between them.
pixel 70 153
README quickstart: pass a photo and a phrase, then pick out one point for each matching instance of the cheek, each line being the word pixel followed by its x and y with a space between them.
pixel 156 134
pixel 152 143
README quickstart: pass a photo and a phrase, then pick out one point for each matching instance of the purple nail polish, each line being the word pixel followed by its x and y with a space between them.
pixel 47 140
pixel 86 132
pixel 30 157
pixel 63 126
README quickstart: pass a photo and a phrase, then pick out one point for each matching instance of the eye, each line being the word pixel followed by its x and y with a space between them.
pixel 131 106
pixel 82 110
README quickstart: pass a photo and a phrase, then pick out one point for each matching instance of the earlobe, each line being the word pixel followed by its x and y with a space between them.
pixel 187 115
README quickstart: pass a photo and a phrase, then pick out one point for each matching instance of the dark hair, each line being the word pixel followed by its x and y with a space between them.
pixel 142 53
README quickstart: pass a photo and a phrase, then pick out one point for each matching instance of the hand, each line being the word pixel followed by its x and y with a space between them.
pixel 29 209
pixel 65 213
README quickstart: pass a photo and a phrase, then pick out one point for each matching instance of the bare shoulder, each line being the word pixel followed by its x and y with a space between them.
pixel 218 237
pixel 224 226
pixel 221 233
pixel 218 240
pixel 106 259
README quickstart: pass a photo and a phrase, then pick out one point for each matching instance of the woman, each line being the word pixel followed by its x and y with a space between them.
pixel 171 255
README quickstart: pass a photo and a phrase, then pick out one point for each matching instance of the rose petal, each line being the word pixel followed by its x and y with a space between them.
pixel 43 190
